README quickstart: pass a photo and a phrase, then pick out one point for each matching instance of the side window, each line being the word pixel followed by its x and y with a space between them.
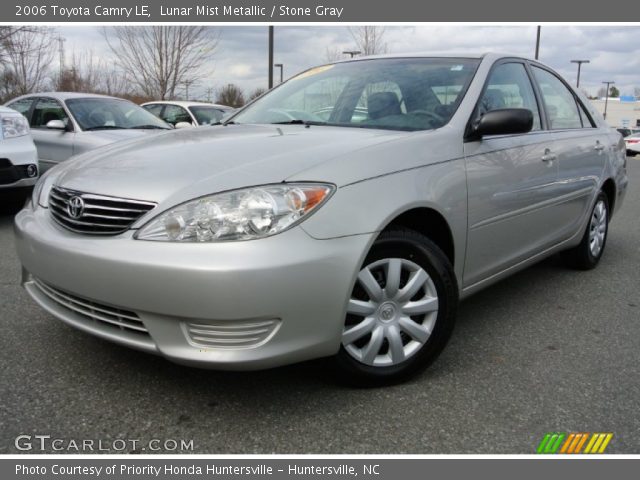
pixel 560 103
pixel 174 114
pixel 586 122
pixel 47 109
pixel 509 87
pixel 22 106
pixel 155 109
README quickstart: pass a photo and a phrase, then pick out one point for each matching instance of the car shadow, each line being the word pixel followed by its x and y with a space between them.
pixel 11 202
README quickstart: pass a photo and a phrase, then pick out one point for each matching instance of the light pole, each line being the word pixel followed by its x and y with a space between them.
pixel 187 84
pixel 352 53
pixel 270 57
pixel 579 62
pixel 538 42
pixel 606 99
pixel 281 67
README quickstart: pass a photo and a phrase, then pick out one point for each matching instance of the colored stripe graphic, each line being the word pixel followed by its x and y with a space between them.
pixel 551 442
pixel 581 443
pixel 598 443
pixel 572 443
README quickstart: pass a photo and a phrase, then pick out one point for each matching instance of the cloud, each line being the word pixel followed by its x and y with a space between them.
pixel 614 51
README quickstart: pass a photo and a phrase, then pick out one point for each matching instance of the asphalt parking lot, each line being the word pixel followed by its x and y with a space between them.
pixel 550 349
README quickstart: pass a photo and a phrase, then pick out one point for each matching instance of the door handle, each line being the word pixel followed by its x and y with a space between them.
pixel 548 156
pixel 599 147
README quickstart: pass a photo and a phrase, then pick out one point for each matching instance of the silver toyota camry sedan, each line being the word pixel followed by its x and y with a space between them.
pixel 343 215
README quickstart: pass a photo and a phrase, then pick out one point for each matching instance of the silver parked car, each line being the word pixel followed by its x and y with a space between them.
pixel 64 124
pixel 18 158
pixel 183 114
pixel 286 236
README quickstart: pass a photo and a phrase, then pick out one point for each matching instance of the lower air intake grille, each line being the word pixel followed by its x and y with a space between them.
pixel 95 214
pixel 102 314
pixel 231 334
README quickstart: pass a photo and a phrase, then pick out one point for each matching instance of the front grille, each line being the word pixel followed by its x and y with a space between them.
pixel 231 334
pixel 102 315
pixel 95 214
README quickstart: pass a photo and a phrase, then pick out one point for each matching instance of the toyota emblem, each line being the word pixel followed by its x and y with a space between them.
pixel 75 207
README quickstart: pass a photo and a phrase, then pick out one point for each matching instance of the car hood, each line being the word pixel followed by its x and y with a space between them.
pixel 110 136
pixel 183 164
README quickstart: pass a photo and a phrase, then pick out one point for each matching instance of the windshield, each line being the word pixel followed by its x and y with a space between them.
pixel 207 115
pixel 395 94
pixel 111 113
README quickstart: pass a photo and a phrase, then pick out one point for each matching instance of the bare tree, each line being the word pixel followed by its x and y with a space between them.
pixel 332 54
pixel 159 59
pixel 6 34
pixel 230 95
pixel 369 39
pixel 256 93
pixel 91 73
pixel 27 56
pixel 636 91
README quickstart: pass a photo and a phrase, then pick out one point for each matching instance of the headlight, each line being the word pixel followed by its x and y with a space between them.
pixel 41 190
pixel 14 126
pixel 244 214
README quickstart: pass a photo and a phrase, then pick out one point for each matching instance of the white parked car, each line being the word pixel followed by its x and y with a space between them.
pixel 183 114
pixel 64 124
pixel 18 157
pixel 633 144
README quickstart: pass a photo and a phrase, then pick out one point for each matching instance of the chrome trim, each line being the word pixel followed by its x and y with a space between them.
pixel 231 334
pixel 119 213
pixel 121 319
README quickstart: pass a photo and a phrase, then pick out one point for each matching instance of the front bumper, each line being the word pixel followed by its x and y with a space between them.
pixel 18 162
pixel 234 305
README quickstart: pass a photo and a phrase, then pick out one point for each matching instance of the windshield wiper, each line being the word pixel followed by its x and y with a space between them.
pixel 298 122
pixel 149 127
pixel 103 127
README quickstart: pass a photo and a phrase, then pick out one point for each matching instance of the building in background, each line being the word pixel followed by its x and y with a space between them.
pixel 621 112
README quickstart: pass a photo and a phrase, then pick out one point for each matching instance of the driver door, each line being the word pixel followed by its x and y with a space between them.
pixel 53 146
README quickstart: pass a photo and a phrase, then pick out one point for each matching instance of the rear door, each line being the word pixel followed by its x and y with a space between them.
pixel 512 181
pixel 580 149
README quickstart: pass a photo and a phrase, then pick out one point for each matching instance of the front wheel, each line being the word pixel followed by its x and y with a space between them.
pixel 588 253
pixel 401 311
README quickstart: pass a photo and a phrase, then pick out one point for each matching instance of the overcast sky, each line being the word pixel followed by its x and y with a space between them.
pixel 241 57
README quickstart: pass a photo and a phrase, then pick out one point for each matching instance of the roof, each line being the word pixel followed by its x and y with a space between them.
pixel 65 95
pixel 187 103
pixel 492 56
pixel 6 110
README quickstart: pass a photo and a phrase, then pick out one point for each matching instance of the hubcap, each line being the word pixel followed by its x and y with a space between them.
pixel 391 312
pixel 598 228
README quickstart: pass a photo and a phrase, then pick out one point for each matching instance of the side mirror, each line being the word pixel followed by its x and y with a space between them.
pixel 181 125
pixel 503 121
pixel 56 125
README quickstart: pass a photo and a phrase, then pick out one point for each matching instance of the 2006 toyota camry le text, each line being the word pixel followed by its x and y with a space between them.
pixel 343 214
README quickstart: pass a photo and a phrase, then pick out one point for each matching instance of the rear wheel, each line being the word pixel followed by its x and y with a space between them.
pixel 401 311
pixel 588 253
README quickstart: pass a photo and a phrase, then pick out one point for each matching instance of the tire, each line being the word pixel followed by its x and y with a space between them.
pixel 589 252
pixel 403 325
